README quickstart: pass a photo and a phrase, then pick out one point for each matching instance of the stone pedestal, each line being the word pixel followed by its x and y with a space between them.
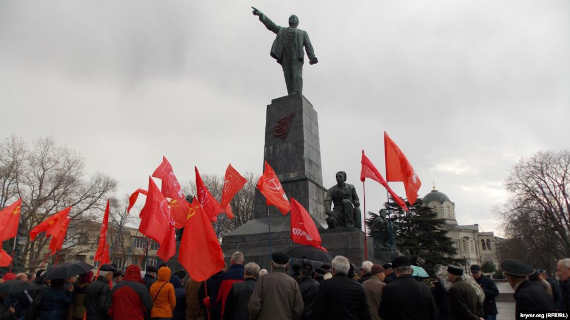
pixel 292 149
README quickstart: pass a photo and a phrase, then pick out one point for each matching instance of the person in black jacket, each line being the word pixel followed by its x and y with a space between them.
pixel 530 296
pixel 98 299
pixel 238 297
pixel 406 298
pixel 340 297
pixel 149 276
pixel 491 292
pixel 389 272
pixel 556 295
pixel 309 289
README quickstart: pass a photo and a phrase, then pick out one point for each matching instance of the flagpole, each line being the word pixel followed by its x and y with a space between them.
pixel 12 253
pixel 269 230
pixel 365 236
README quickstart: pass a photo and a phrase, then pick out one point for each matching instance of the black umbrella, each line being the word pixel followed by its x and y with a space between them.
pixel 11 287
pixel 85 266
pixel 310 253
pixel 64 271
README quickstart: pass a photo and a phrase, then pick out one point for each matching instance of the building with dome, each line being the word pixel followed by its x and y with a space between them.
pixel 473 246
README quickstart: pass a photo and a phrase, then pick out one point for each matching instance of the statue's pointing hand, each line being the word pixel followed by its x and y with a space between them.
pixel 256 12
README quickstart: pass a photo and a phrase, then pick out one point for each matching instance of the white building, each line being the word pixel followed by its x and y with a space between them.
pixel 473 246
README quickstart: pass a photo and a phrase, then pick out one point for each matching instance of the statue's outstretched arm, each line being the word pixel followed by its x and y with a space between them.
pixel 309 49
pixel 266 21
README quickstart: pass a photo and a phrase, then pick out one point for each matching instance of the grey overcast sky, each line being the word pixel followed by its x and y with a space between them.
pixel 466 88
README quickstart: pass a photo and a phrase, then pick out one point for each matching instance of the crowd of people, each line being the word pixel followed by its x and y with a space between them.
pixel 338 290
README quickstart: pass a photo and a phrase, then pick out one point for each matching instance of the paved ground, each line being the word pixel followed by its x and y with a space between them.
pixel 506 310
pixel 505 302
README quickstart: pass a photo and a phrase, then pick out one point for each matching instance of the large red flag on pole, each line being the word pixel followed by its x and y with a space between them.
pixel 102 254
pixel 5 258
pixel 370 171
pixel 233 182
pixel 398 168
pixel 200 252
pixel 59 232
pixel 48 224
pixel 270 187
pixel 9 220
pixel 133 198
pixel 170 187
pixel 210 205
pixel 156 222
pixel 303 228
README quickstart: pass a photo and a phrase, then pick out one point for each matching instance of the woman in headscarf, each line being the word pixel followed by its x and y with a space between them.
pixel 131 300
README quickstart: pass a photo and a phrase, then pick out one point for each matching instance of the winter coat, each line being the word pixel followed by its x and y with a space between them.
pixel 309 291
pixel 213 285
pixel 233 275
pixel 441 297
pixel 163 295
pixel 341 298
pixel 491 293
pixel 373 288
pixel 237 300
pixel 98 300
pixel 179 312
pixel 78 300
pixel 5 313
pixel 194 308
pixel 463 302
pixel 50 304
pixel 131 300
pixel 530 297
pixel 276 297
pixel 565 296
pixel 556 294
pixel 407 299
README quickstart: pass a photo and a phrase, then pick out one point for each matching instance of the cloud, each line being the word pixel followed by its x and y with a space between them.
pixel 464 88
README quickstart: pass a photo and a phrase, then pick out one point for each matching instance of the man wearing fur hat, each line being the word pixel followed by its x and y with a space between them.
pixel 464 303
pixel 530 296
pixel 276 295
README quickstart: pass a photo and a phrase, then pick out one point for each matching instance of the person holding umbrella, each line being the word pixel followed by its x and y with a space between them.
pixel 52 303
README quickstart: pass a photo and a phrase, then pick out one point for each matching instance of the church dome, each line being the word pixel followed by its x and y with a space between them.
pixel 435 195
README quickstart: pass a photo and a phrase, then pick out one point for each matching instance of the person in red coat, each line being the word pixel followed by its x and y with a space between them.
pixel 131 300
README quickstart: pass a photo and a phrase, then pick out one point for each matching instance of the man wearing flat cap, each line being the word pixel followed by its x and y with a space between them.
pixel 491 292
pixel 276 295
pixel 530 297
pixel 464 303
pixel 405 297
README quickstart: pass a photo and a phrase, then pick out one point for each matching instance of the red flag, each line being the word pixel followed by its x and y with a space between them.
pixel 179 209
pixel 170 186
pixel 270 186
pixel 9 219
pixel 200 252
pixel 233 182
pixel 102 253
pixel 59 232
pixel 370 171
pixel 398 168
pixel 156 222
pixel 133 198
pixel 48 224
pixel 5 258
pixel 303 229
pixel 210 205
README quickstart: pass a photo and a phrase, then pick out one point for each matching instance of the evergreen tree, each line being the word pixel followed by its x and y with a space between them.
pixel 417 233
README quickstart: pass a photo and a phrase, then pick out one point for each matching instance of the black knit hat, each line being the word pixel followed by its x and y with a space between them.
pixel 475 268
pixel 108 267
pixel 516 268
pixel 280 258
pixel 456 270
pixel 401 261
